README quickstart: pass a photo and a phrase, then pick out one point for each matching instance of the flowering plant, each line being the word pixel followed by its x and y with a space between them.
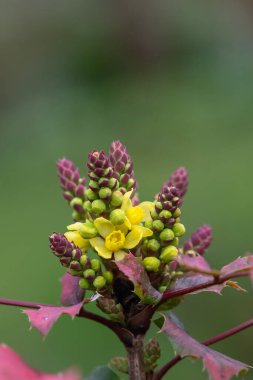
pixel 125 256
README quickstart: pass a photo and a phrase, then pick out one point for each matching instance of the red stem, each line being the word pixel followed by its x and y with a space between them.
pixel 217 338
pixel 124 335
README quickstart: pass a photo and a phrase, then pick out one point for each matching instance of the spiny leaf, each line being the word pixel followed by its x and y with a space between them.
pixel 132 268
pixel 219 366
pixel 12 367
pixel 196 263
pixel 71 293
pixel 241 264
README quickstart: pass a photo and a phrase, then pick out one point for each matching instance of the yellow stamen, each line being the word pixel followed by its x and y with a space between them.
pixel 135 214
pixel 115 241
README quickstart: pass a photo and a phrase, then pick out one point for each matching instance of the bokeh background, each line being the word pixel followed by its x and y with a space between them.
pixel 174 82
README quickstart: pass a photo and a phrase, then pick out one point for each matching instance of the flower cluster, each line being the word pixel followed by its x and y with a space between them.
pixel 110 224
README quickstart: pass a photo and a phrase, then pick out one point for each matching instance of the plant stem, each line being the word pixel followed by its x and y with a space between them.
pixel 136 359
pixel 217 338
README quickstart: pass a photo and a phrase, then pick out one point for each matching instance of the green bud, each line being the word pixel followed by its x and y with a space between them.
pixel 105 193
pixel 153 245
pixel 117 217
pixel 130 183
pixel 93 185
pixel 90 195
pixel 168 253
pixel 108 276
pixel 117 198
pixel 158 225
pixel 88 230
pixel 84 284
pixel 151 264
pixel 75 272
pixel 154 214
pixel 179 229
pixel 76 201
pixel 159 205
pixel 177 220
pixel 165 214
pixel 177 213
pixel 166 235
pixel 175 241
pixel 112 183
pixel 99 282
pixel 89 274
pixel 87 206
pixel 83 259
pixel 98 207
pixel 148 224
pixel 76 215
pixel 95 264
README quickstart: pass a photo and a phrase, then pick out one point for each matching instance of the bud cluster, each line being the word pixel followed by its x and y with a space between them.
pixel 113 309
pixel 79 264
pixel 73 186
pixel 199 240
pixel 123 167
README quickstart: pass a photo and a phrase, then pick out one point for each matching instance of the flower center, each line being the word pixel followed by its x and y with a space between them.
pixel 135 214
pixel 115 241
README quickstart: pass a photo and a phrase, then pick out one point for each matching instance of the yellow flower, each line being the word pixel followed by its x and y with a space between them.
pixel 134 215
pixel 114 239
pixel 76 238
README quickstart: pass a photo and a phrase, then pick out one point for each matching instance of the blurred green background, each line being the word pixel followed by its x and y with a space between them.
pixel 174 82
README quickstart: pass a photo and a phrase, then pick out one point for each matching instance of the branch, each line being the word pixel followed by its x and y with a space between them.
pixel 217 338
pixel 124 335
pixel 215 281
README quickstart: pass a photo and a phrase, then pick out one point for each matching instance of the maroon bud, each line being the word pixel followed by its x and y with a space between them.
pixel 199 240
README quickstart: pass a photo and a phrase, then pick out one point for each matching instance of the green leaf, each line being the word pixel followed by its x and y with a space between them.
pixel 103 372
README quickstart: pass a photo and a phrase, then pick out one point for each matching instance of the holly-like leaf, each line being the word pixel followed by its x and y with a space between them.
pixel 71 293
pixel 45 317
pixel 102 373
pixel 242 264
pixel 219 366
pixel 196 263
pixel 133 269
pixel 12 367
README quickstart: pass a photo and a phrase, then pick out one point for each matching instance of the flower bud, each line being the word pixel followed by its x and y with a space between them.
pixel 117 217
pixel 158 225
pixel 175 241
pixel 84 260
pixel 88 230
pixel 84 284
pixel 90 195
pixel 166 235
pixel 165 214
pixel 177 213
pixel 77 205
pixel 99 282
pixel 148 224
pixel 168 253
pixel 75 265
pixel 93 185
pixel 117 198
pixel 76 216
pixel 105 193
pixel 98 207
pixel 113 183
pixel 151 264
pixel 108 277
pixel 153 245
pixel 179 229
pixel 87 206
pixel 95 264
pixel 89 274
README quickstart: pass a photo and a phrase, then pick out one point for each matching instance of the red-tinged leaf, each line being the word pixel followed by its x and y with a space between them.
pixel 196 264
pixel 242 264
pixel 133 269
pixel 12 367
pixel 71 293
pixel 190 280
pixel 219 366
pixel 45 317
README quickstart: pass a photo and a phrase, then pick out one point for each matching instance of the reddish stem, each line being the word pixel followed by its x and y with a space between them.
pixel 124 335
pixel 217 338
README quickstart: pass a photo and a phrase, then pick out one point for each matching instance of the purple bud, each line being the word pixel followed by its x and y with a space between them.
pixel 122 165
pixel 199 240
pixel 179 179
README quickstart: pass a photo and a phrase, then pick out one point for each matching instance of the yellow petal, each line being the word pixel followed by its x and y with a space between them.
pixel 133 238
pixel 126 202
pixel 144 231
pixel 119 255
pixel 76 238
pixel 74 226
pixel 135 214
pixel 104 226
pixel 99 245
pixel 147 207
